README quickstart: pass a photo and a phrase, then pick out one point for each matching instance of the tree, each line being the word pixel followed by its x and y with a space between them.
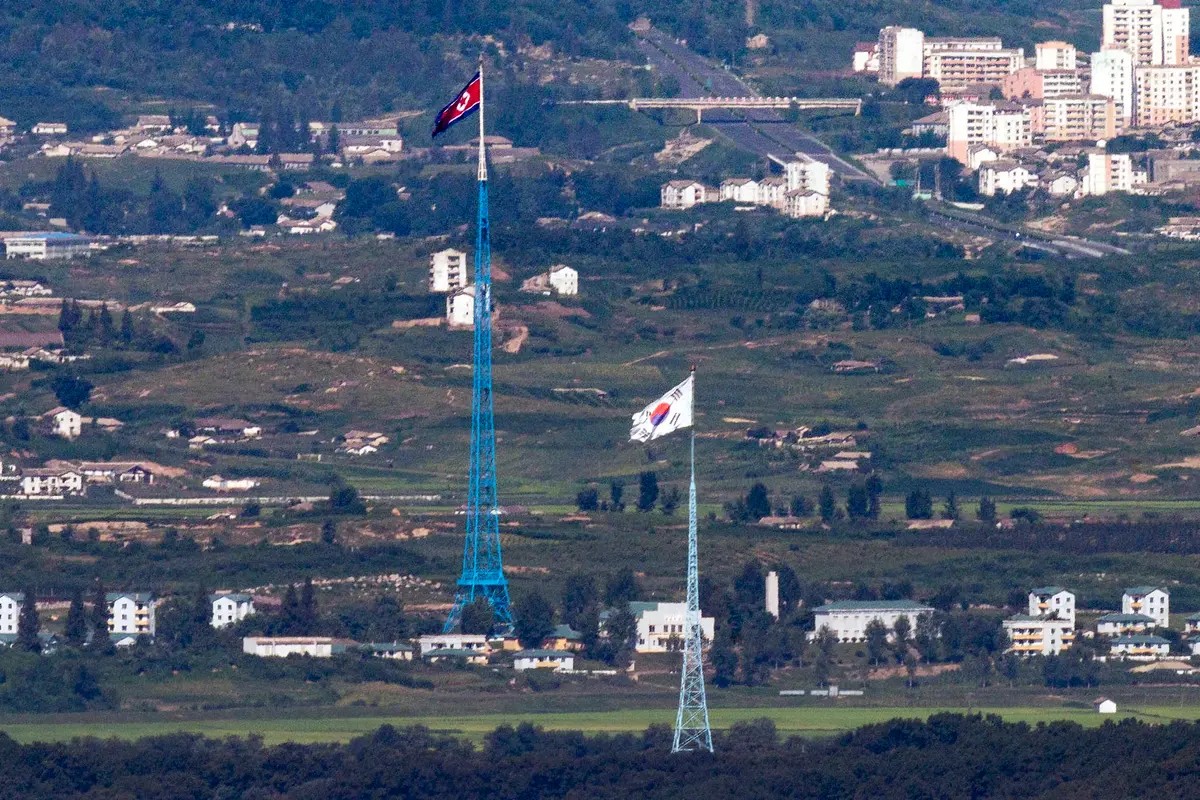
pixel 621 588
pixel 329 532
pixel 99 616
pixel 647 491
pixel 344 499
pixel 670 501
pixel 918 505
pixel 987 509
pixel 758 502
pixel 308 606
pixel 76 629
pixel 622 633
pixel 71 390
pixel 126 326
pixel 478 617
pixel 877 640
pixel 874 493
pixel 723 659
pixel 800 506
pixel 28 625
pixel 579 597
pixel 950 510
pixel 616 493
pixel 827 504
pixel 535 619
pixel 588 499
pixel 858 502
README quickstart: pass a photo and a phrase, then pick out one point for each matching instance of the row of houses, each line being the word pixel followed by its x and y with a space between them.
pixel 450 274
pixel 802 191
pixel 1104 173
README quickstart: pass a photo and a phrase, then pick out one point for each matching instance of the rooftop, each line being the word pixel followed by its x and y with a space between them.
pixel 874 605
pixel 1143 590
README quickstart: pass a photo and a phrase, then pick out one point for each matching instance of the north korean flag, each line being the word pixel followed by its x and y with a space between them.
pixel 460 107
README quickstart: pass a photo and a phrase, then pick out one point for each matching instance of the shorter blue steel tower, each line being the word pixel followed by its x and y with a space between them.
pixel 482 564
pixel 692 730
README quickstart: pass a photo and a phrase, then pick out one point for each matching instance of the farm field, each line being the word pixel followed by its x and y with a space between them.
pixel 788 721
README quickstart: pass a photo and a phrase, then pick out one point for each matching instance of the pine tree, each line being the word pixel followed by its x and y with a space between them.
pixel 76 629
pixel 827 504
pixel 329 532
pixel 308 606
pixel 99 614
pixel 28 625
pixel 290 610
pixel 126 327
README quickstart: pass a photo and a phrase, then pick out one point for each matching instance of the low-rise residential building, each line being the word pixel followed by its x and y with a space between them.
pixel 557 660
pixel 64 422
pixel 131 613
pixel 1038 635
pixel 476 658
pixel 1122 624
pixel 46 246
pixel 231 608
pixel 1061 184
pixel 448 271
pixel 847 620
pixel 1140 647
pixel 453 641
pixel 1108 172
pixel 1191 625
pixel 1005 177
pixel 46 482
pixel 10 614
pixel 284 646
pixel 800 203
pixel 220 484
pixel 559 279
pixel 1052 601
pixel 49 129
pixel 1153 601
pixel 227 427
pixel 397 651
pixel 460 308
pixel 660 626
pixel 740 190
pixel 564 637
pixel 685 194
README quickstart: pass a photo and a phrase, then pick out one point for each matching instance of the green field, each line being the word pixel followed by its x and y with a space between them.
pixel 805 721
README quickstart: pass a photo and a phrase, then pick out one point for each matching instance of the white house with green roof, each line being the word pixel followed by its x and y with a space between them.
pixel 1122 624
pixel 1153 601
pixel 1191 625
pixel 229 608
pixel 847 620
pixel 557 660
pixel 1038 634
pixel 1052 600
pixel 131 612
pixel 1140 647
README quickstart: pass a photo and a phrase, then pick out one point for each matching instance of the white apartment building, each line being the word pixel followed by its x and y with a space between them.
pixel 1112 76
pixel 959 63
pixel 771 191
pixel 1054 55
pixel 564 280
pixel 1162 95
pixel 284 646
pixel 847 620
pixel 683 194
pixel 1078 118
pixel 740 190
pixel 10 613
pixel 1108 172
pixel 1124 624
pixel 800 203
pixel 131 613
pixel 812 176
pixel 1140 647
pixel 1155 32
pixel 475 642
pixel 1005 127
pixel 1004 177
pixel 46 246
pixel 1036 635
pixel 65 423
pixel 51 482
pixel 448 271
pixel 901 54
pixel 460 308
pixel 230 608
pixel 660 626
pixel 1153 601
pixel 1052 601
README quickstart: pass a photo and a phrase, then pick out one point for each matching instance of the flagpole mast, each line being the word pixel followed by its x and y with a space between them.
pixel 692 729
pixel 483 176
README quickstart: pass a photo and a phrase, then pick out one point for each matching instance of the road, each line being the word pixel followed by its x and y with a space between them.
pixel 1068 246
pixel 764 132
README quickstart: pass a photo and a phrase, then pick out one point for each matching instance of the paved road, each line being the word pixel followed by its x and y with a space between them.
pixel 1068 246
pixel 764 132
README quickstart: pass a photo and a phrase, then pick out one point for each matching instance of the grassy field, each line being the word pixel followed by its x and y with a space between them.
pixel 808 721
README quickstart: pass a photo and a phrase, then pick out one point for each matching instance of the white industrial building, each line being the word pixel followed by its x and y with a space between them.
pixel 1153 601
pixel 230 608
pixel 847 620
pixel 448 271
pixel 284 646
pixel 660 626
pixel 45 246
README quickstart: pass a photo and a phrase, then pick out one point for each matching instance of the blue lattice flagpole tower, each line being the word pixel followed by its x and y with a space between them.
pixel 482 564
pixel 692 731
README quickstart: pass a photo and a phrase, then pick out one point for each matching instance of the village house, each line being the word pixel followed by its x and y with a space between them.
pixel 1153 601
pixel 43 482
pixel 1005 177
pixel 452 641
pixel 397 651
pixel 7 127
pixel 114 472
pixel 559 279
pixel 217 483
pixel 682 195
pixel 564 637
pixel 556 660
pixel 64 422
pixel 460 308
pixel 475 658
pixel 131 613
pixel 230 608
pixel 1052 601
pixel 10 615
pixel 1038 635
pixel 1140 647
pixel 224 426
pixel 24 288
pixel 740 190
pixel 847 620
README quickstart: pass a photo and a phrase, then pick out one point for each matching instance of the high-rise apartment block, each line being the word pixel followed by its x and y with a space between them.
pixel 1004 127
pixel 956 63
pixel 1112 76
pixel 901 54
pixel 1155 32
pixel 1163 95
pixel 1054 55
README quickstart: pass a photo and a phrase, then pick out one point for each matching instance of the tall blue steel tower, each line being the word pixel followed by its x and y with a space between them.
pixel 482 565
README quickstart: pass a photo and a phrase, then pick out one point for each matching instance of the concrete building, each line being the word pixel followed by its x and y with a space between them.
pixel 556 660
pixel 1052 601
pixel 448 271
pixel 771 601
pixel 801 203
pixel 65 423
pixel 772 191
pixel 564 280
pixel 811 176
pixel 865 57
pixel 1163 95
pixel 1078 118
pixel 1037 84
pixel 51 482
pixel 1004 177
pixel 1154 32
pixel 1038 635
pixel 1108 172
pixel 660 626
pixel 740 190
pixel 847 620
pixel 1153 601
pixel 1054 55
pixel 962 62
pixel 46 246
pixel 460 308
pixel 284 646
pixel 1124 624
pixel 1004 127
pixel 1112 76
pixel 230 608
pixel 10 613
pixel 682 195
pixel 1103 705
pixel 131 613
pixel 901 54
pixel 1140 647
pixel 452 641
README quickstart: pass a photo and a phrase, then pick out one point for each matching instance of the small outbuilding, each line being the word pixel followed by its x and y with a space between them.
pixel 1104 706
